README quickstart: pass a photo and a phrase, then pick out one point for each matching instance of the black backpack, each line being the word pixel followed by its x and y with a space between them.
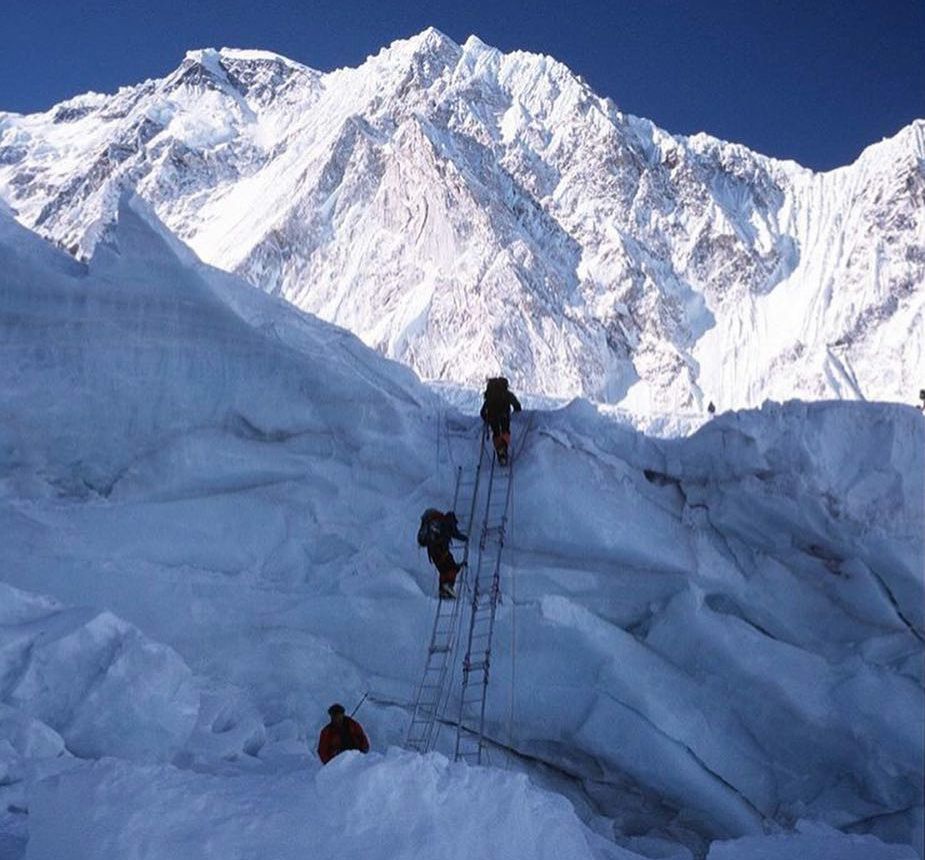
pixel 496 391
pixel 432 527
pixel 436 527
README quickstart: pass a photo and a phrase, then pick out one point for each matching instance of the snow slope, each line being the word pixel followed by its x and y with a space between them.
pixel 398 806
pixel 467 211
pixel 716 638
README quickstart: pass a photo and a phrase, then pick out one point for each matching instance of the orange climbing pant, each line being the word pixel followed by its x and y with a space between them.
pixel 501 441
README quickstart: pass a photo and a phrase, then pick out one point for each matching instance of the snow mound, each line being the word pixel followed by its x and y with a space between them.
pixel 400 806
pixel 92 678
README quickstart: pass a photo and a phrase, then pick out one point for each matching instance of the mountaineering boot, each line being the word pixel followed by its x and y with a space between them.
pixel 447 593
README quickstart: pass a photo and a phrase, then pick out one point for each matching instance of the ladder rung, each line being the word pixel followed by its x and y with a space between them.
pixel 485 508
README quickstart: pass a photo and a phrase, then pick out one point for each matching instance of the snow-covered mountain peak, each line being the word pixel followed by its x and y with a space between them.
pixel 208 57
pixel 429 41
pixel 253 55
pixel 461 208
pixel 255 79
pixel 900 154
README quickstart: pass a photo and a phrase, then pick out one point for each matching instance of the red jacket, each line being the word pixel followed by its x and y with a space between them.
pixel 334 740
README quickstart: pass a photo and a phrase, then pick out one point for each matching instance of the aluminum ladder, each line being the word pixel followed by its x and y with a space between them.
pixel 486 594
pixel 432 689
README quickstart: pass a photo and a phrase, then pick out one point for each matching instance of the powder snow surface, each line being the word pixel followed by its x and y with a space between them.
pixel 208 503
pixel 399 806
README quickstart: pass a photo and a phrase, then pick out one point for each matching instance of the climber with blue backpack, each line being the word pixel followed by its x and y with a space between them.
pixel 436 531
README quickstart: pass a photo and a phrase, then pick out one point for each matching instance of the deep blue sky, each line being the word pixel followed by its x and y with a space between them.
pixel 812 80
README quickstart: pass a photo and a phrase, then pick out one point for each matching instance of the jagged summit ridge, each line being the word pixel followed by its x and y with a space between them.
pixel 468 211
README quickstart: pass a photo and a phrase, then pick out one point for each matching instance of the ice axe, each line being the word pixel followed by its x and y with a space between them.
pixel 359 703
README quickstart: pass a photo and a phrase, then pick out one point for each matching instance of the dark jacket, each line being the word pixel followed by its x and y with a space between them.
pixel 452 527
pixel 335 739
pixel 499 405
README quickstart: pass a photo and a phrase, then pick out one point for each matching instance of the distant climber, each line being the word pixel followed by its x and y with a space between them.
pixel 436 531
pixel 922 399
pixel 496 413
pixel 711 409
pixel 342 733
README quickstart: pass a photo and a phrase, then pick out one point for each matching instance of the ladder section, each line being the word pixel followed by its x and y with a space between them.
pixel 445 633
pixel 486 594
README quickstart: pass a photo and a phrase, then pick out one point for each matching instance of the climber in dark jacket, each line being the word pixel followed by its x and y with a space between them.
pixel 436 531
pixel 342 733
pixel 496 413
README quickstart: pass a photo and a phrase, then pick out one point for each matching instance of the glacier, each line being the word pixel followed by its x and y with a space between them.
pixel 467 211
pixel 708 646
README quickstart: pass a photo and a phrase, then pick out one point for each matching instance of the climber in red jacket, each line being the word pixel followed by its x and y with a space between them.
pixel 342 733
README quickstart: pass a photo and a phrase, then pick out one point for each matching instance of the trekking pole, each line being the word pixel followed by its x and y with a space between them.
pixel 359 703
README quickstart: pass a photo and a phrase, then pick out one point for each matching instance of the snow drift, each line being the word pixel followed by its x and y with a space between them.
pixel 397 806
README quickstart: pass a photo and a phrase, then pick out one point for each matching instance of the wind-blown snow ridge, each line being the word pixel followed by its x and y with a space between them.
pixel 468 211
